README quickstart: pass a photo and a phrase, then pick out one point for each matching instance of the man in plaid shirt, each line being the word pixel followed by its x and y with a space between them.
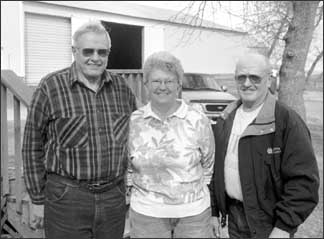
pixel 75 144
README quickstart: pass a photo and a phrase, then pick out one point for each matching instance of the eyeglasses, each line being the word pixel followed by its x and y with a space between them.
pixel 168 83
pixel 255 79
pixel 87 52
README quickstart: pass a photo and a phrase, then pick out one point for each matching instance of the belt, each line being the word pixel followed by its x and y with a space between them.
pixel 233 201
pixel 92 187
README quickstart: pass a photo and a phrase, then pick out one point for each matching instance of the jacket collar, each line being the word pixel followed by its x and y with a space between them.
pixel 264 123
pixel 266 114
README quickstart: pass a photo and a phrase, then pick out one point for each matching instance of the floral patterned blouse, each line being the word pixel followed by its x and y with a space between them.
pixel 171 162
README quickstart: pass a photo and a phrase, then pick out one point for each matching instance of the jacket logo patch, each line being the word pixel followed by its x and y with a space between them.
pixel 275 150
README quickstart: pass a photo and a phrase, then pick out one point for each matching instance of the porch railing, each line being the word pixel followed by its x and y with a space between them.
pixel 134 78
pixel 12 183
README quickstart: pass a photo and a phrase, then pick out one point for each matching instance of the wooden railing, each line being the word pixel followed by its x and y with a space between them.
pixel 22 95
pixel 134 78
pixel 12 186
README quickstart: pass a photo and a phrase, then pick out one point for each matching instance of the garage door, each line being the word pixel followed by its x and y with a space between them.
pixel 47 45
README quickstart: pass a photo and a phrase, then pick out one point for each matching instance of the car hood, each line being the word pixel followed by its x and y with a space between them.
pixel 205 95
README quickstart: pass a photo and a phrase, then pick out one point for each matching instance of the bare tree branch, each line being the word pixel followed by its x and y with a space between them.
pixel 276 37
pixel 311 69
pixel 319 17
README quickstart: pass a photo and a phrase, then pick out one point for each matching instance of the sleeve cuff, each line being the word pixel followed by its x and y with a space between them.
pixel 37 199
pixel 283 226
pixel 38 202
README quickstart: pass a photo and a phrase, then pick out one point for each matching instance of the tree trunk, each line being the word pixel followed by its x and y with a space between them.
pixel 297 42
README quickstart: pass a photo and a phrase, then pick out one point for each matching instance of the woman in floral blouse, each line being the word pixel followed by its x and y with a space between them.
pixel 171 148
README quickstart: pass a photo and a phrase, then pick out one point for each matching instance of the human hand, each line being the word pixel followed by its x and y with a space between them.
pixel 278 233
pixel 37 216
pixel 216 225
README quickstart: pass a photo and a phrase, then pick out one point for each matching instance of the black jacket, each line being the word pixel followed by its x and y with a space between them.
pixel 278 168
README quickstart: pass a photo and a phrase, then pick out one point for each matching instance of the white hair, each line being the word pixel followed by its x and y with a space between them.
pixel 91 26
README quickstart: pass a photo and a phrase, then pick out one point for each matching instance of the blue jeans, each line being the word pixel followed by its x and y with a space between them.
pixel 74 212
pixel 198 226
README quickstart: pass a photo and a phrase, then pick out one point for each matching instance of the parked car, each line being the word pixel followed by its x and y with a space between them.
pixel 204 93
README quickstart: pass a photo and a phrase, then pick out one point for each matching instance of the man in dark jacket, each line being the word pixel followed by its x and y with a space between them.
pixel 265 175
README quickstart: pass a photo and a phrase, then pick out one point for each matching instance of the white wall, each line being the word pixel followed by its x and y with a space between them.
pixel 153 39
pixel 12 37
pixel 206 51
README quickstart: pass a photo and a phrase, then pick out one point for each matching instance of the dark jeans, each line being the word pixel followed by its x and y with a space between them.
pixel 237 224
pixel 75 212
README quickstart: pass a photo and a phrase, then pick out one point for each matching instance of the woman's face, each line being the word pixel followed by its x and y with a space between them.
pixel 163 88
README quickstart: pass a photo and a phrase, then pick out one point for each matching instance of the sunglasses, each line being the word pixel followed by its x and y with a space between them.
pixel 254 79
pixel 87 52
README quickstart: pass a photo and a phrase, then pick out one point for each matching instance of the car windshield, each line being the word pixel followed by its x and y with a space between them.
pixel 200 82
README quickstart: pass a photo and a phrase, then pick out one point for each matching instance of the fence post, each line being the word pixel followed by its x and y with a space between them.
pixel 18 158
pixel 141 88
pixel 4 143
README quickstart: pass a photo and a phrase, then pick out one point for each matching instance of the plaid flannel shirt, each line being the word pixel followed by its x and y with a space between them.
pixel 75 132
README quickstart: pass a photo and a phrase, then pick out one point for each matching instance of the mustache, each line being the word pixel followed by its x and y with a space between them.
pixel 246 88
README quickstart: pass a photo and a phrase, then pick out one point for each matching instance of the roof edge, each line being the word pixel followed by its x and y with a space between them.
pixel 74 4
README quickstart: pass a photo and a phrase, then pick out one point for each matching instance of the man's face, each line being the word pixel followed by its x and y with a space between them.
pixel 163 88
pixel 252 81
pixel 91 55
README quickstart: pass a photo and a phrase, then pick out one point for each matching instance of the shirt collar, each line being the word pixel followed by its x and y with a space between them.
pixel 105 77
pixel 181 112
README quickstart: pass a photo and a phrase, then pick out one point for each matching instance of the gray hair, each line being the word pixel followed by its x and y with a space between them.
pixel 165 61
pixel 91 26
pixel 252 57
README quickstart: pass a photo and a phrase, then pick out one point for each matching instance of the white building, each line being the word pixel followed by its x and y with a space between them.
pixel 36 37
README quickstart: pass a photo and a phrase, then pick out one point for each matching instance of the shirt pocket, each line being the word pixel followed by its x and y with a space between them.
pixel 120 127
pixel 72 131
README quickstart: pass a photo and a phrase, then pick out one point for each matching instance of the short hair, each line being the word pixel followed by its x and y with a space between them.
pixel 255 57
pixel 91 26
pixel 165 61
